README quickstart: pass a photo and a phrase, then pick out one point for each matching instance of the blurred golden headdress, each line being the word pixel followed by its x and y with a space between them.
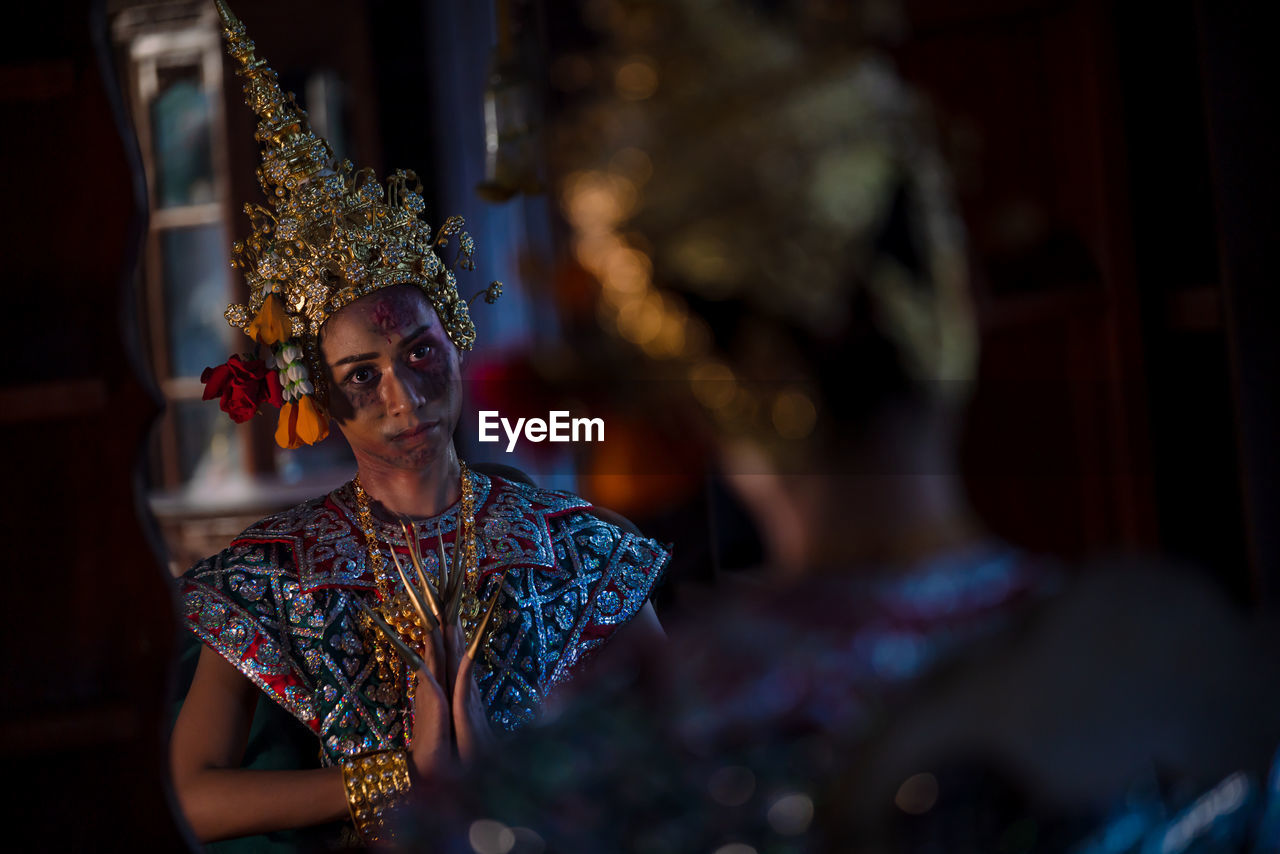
pixel 757 154
pixel 330 236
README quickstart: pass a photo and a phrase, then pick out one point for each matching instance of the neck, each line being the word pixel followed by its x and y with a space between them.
pixel 898 501
pixel 417 492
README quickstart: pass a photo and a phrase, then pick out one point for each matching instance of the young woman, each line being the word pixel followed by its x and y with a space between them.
pixel 410 612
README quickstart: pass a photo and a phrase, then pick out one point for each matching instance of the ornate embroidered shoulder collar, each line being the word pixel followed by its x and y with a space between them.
pixel 329 549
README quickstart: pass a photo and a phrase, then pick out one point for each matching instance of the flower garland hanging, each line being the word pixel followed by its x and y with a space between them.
pixel 282 379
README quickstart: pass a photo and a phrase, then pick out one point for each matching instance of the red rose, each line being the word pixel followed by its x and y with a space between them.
pixel 243 386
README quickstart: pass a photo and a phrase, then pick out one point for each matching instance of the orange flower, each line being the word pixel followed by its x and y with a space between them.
pixel 271 325
pixel 302 422
pixel 313 424
pixel 287 427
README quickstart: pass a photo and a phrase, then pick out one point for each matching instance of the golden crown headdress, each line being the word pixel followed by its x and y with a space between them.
pixel 330 236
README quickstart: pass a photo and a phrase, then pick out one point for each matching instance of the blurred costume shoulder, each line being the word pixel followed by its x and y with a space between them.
pixel 278 604
pixel 1138 693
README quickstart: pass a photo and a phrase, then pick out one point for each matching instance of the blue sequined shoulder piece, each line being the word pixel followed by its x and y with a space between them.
pixel 571 580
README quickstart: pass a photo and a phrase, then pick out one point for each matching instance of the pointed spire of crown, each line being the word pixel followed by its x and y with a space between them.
pixel 291 152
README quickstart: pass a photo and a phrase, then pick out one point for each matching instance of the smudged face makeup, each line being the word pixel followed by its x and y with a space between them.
pixel 395 383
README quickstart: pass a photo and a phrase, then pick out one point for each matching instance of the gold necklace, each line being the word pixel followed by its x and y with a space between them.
pixel 393 602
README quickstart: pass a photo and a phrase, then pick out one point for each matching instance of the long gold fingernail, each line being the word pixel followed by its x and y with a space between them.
pixel 427 593
pixel 414 598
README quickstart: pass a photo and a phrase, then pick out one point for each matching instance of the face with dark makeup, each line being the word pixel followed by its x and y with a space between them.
pixel 395 384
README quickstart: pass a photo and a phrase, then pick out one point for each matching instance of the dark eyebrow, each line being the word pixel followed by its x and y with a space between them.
pixel 421 330
pixel 359 357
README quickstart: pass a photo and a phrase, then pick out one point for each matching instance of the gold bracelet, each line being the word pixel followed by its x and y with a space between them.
pixel 375 782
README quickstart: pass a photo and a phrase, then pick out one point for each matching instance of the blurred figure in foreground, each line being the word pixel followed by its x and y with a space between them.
pixel 761 202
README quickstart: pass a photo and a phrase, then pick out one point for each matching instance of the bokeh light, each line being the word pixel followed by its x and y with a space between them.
pixel 791 814
pixel 490 837
pixel 636 79
pixel 918 794
pixel 794 414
